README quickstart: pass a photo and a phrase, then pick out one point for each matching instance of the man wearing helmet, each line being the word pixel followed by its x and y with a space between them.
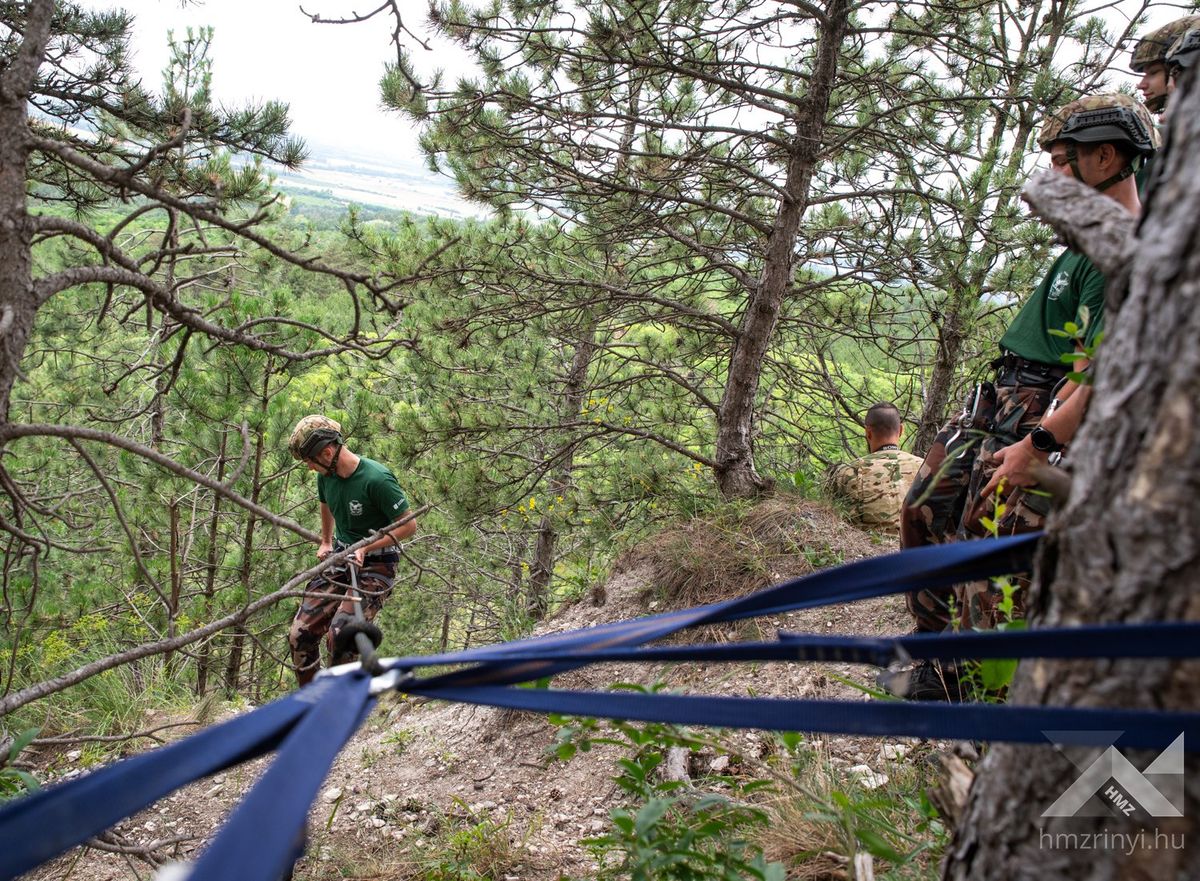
pixel 1004 427
pixel 359 498
pixel 1182 55
pixel 1150 60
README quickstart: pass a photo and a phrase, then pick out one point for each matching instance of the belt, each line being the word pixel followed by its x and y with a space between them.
pixel 1008 361
pixel 380 556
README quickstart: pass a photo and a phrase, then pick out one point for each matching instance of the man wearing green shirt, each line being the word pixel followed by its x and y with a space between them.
pixel 359 498
pixel 1095 140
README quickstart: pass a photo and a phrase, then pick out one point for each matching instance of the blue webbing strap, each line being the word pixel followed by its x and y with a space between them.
pixel 264 834
pixel 931 567
pixel 41 826
pixel 1160 640
pixel 991 722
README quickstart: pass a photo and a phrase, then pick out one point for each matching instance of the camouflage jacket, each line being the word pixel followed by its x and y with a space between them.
pixel 873 487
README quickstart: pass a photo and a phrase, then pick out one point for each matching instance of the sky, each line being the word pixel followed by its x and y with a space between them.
pixel 268 49
pixel 329 74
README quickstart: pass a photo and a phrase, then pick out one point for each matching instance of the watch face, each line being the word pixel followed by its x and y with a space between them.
pixel 1044 441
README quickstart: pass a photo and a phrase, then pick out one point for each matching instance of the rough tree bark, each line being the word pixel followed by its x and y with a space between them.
pixel 18 299
pixel 1127 545
pixel 950 337
pixel 736 474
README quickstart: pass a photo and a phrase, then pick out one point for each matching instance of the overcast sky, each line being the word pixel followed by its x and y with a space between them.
pixel 328 74
pixel 268 49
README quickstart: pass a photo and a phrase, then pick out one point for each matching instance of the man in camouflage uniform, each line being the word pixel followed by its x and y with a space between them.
pixel 1183 55
pixel 873 485
pixel 359 498
pixel 1149 58
pixel 1096 140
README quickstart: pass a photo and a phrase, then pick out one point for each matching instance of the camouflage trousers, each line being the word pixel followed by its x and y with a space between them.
pixel 945 501
pixel 323 616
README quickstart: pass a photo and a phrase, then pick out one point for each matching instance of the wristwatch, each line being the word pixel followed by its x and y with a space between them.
pixel 1044 441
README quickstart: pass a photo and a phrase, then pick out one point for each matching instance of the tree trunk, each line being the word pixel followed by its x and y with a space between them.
pixel 736 474
pixel 1125 548
pixel 951 334
pixel 176 581
pixel 18 300
pixel 542 571
pixel 238 642
pixel 212 558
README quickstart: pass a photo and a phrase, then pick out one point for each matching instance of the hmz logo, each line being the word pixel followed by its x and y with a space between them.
pixel 1121 789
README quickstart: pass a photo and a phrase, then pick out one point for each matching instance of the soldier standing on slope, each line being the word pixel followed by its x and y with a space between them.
pixel 1008 424
pixel 359 497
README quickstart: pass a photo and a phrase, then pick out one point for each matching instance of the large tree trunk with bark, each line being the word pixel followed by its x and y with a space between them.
pixel 18 299
pixel 1125 548
pixel 736 474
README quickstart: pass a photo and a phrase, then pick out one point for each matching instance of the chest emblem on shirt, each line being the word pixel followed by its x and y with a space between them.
pixel 1059 285
pixel 355 508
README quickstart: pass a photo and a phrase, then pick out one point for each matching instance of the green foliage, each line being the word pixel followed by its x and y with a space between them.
pixel 469 848
pixel 15 782
pixel 667 831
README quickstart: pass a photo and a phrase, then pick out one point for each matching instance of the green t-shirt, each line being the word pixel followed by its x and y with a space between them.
pixel 1072 281
pixel 363 503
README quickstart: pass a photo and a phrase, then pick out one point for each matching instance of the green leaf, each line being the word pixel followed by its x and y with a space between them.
pixel 650 813
pixel 623 821
pixel 28 779
pixel 996 673
pixel 877 846
pixel 21 741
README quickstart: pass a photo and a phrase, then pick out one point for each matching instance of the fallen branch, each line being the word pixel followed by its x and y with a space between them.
pixel 1088 221
pixel 108 738
pixel 20 698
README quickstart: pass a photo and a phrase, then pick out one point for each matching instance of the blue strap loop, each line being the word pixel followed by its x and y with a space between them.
pixel 1150 729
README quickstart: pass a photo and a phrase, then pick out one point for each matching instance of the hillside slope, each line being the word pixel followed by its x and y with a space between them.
pixel 426 782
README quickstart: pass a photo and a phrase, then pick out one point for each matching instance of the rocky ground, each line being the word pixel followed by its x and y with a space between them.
pixel 421 778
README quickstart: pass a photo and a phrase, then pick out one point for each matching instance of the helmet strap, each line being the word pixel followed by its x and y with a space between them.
pixel 1125 172
pixel 333 463
pixel 1073 158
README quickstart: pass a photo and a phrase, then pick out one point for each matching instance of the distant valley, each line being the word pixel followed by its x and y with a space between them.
pixel 366 178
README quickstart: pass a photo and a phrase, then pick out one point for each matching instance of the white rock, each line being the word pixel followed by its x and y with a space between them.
pixel 893 752
pixel 378 823
pixel 214 791
pixel 867 778
pixel 331 795
pixel 74 755
pixel 598 825
pixel 720 763
pixel 173 872
pixel 363 806
pixel 150 826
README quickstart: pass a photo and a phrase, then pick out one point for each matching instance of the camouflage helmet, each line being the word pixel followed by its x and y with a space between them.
pixel 1102 119
pixel 312 434
pixel 1184 51
pixel 1152 48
